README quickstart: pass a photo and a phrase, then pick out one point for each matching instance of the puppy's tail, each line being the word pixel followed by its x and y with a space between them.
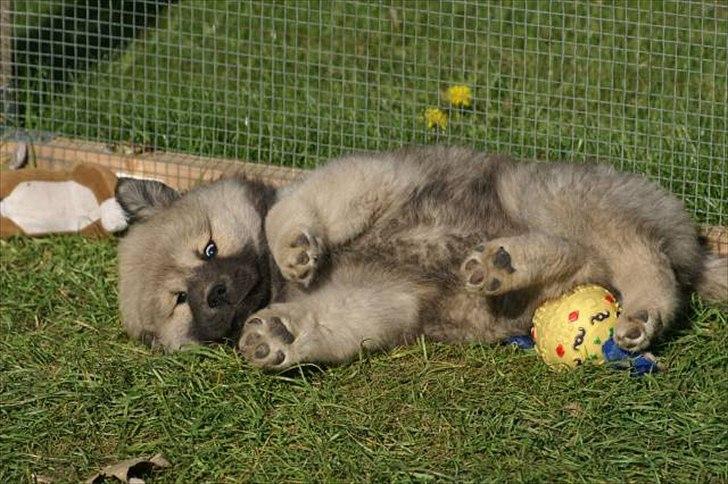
pixel 712 283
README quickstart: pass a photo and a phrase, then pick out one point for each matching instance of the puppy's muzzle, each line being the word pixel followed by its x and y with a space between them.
pixel 217 296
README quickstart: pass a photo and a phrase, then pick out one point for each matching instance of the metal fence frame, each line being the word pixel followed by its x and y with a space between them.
pixel 698 177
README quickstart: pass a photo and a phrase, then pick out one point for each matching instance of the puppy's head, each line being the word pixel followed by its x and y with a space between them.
pixel 192 267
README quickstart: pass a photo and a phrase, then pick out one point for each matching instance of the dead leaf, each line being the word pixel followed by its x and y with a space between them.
pixel 20 157
pixel 574 408
pixel 40 479
pixel 130 470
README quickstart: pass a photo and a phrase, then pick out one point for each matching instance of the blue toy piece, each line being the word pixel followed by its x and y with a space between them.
pixel 637 363
pixel 524 342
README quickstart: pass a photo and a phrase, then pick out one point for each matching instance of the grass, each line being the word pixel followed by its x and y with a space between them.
pixel 642 85
pixel 77 394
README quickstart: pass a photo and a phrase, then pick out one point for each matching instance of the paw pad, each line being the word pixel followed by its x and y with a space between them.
pixel 299 257
pixel 266 341
pixel 261 351
pixel 502 260
pixel 488 269
pixel 636 331
pixel 301 241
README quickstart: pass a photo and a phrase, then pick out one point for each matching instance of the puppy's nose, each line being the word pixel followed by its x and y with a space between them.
pixel 217 295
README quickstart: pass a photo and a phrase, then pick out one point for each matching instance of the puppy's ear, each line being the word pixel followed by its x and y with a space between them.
pixel 142 198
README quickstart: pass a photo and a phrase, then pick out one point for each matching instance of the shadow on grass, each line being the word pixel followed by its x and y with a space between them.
pixel 72 39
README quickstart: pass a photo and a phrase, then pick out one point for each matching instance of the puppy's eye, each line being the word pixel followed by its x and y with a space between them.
pixel 181 297
pixel 210 250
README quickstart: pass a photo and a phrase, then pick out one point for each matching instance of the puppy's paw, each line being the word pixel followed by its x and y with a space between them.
pixel 266 341
pixel 489 270
pixel 637 330
pixel 298 255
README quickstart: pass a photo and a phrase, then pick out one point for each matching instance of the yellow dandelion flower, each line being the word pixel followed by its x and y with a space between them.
pixel 459 95
pixel 435 118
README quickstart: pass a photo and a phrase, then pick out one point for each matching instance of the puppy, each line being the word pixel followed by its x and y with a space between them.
pixel 373 250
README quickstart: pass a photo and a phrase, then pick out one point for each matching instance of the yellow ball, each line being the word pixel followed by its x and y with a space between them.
pixel 571 330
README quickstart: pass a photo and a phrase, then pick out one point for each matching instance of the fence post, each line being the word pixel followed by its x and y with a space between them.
pixel 6 60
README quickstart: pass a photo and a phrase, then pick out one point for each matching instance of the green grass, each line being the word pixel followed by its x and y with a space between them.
pixel 642 85
pixel 76 395
pixel 295 83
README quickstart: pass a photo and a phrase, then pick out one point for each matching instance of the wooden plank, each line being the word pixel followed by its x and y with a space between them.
pixel 180 171
pixel 716 237
pixel 183 171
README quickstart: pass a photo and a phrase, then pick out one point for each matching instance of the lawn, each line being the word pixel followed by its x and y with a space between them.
pixel 77 394
pixel 294 83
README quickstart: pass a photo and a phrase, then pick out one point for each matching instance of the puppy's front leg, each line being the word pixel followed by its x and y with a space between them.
pixel 296 238
pixel 330 207
pixel 511 263
pixel 333 323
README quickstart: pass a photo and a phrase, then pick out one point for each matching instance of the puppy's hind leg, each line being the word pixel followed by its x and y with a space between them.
pixel 351 312
pixel 508 264
pixel 650 296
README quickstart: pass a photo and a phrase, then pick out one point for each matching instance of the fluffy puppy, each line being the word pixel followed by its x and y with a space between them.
pixel 373 250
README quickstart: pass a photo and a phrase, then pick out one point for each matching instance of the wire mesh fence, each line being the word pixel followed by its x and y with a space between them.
pixel 641 85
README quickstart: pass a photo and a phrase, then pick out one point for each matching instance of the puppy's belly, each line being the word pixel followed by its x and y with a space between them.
pixel 464 316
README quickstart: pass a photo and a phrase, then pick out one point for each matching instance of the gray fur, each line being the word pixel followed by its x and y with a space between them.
pixel 377 249
pixel 142 198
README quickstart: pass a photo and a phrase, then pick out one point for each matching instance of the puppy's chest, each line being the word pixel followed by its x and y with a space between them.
pixel 422 247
